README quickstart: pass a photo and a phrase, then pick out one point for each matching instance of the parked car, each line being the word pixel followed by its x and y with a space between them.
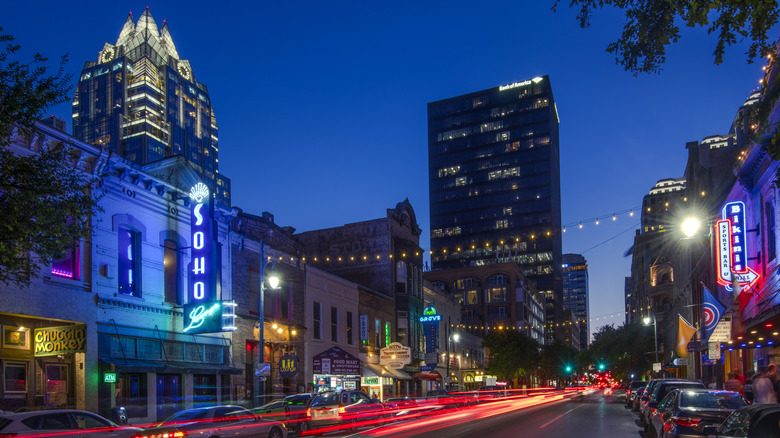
pixel 295 409
pixel 659 392
pixel 632 389
pixel 276 410
pixel 635 401
pixel 216 422
pixel 648 393
pixel 685 412
pixel 62 423
pixel 752 421
pixel 342 409
pixel 400 403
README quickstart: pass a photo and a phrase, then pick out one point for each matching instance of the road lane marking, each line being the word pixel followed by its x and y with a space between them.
pixel 559 416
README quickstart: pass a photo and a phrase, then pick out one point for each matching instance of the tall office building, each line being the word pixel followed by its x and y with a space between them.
pixel 494 173
pixel 575 293
pixel 140 100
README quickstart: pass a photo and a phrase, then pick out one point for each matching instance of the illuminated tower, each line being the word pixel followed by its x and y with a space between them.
pixel 140 100
pixel 494 181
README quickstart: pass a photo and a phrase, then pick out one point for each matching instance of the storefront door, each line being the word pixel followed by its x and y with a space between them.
pixel 56 386
pixel 169 397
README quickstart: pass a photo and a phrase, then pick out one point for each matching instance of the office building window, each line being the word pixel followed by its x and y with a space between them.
pixel 129 261
pixel 317 315
pixel 349 328
pixel 334 324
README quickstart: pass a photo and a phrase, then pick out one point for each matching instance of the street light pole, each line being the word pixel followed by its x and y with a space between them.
pixel 273 282
pixel 646 320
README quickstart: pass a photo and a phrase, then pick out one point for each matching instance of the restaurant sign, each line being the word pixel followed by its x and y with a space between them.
pixel 395 356
pixel 52 341
pixel 337 362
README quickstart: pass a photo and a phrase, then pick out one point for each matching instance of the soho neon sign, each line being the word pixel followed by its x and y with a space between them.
pixel 732 247
pixel 201 243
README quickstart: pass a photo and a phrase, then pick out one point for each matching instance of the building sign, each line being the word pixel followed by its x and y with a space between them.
pixel 535 80
pixel 395 356
pixel 205 317
pixel 722 332
pixel 364 328
pixel 430 321
pixel 369 381
pixel 732 248
pixel 202 313
pixel 288 366
pixel 336 361
pixel 52 341
pixel 109 377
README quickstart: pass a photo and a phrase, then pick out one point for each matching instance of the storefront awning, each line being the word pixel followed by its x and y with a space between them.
pixel 399 374
pixel 145 366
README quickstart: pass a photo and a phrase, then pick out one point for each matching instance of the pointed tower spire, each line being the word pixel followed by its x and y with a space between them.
pixel 147 25
pixel 167 41
pixel 127 31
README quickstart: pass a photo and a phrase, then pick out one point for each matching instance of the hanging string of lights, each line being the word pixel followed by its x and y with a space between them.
pixel 379 257
pixel 524 327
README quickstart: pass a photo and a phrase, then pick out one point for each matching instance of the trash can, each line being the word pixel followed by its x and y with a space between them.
pixel 119 415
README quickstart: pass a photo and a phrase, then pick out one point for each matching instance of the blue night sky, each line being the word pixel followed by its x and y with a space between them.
pixel 322 115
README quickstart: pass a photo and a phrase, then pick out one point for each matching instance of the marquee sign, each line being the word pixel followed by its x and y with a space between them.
pixel 731 251
pixel 430 321
pixel 53 341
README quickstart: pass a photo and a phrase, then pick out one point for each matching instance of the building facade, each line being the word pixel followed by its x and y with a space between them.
pixel 121 298
pixel 575 294
pixel 383 255
pixel 141 100
pixel 493 297
pixel 494 175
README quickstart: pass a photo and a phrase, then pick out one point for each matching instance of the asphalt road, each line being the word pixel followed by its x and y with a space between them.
pixel 595 415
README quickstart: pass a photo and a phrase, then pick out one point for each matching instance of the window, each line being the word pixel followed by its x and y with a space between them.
pixel 377 333
pixel 472 297
pixel 129 262
pixel 15 377
pixel 171 263
pixel 69 265
pixel 349 328
pixel 334 324
pixel 317 315
pixel 770 232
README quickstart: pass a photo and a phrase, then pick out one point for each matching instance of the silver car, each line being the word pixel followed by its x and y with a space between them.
pixel 216 422
pixel 62 423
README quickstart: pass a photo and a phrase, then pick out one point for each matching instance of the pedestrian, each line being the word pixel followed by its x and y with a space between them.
pixel 733 383
pixel 772 374
pixel 763 391
pixel 738 372
pixel 748 388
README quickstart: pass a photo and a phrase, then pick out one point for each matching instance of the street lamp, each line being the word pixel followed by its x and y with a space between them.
pixel 690 227
pixel 273 283
pixel 647 320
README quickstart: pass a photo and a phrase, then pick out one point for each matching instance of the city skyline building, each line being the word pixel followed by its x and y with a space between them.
pixel 140 100
pixel 575 294
pixel 494 182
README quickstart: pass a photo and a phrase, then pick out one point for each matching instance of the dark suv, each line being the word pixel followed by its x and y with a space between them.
pixel 341 409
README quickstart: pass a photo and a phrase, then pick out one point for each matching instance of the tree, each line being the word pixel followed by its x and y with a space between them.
pixel 622 350
pixel 512 354
pixel 652 25
pixel 555 359
pixel 46 202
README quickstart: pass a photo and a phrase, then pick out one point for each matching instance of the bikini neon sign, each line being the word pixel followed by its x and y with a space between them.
pixel 732 245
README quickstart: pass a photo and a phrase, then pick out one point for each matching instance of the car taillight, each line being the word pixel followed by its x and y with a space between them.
pixel 308 412
pixel 342 410
pixel 686 421
pixel 177 434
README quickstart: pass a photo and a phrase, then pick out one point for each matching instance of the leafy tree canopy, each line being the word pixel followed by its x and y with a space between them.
pixel 46 201
pixel 624 350
pixel 512 354
pixel 652 25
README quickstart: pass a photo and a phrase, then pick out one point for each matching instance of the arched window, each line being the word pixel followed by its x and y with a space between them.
pixel 129 261
pixel 172 263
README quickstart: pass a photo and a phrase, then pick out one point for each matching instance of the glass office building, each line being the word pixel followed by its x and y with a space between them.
pixel 140 100
pixel 575 293
pixel 494 173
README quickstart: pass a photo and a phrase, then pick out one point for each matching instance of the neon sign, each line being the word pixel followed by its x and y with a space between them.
pixel 203 313
pixel 200 315
pixel 731 250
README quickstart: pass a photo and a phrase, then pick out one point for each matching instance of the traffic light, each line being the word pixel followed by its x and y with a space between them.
pixel 568 368
pixel 601 367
